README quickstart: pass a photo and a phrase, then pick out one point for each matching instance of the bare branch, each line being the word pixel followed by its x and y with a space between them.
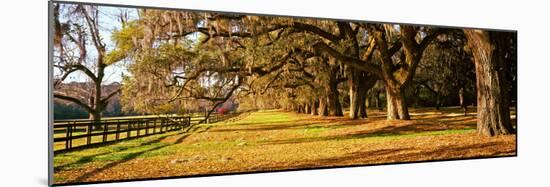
pixel 73 100
pixel 105 99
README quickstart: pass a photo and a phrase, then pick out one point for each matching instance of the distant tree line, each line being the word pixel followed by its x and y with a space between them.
pixel 63 110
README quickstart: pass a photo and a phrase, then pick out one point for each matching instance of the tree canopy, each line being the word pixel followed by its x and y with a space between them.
pixel 185 61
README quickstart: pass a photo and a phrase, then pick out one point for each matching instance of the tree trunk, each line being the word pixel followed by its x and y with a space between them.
pixel 333 100
pixel 97 101
pixel 368 101
pixel 353 101
pixel 369 83
pixel 314 107
pixel 396 104
pixel 307 109
pixel 489 51
pixel 355 90
pixel 359 85
pixel 363 105
pixel 377 100
pixel 462 101
pixel 323 111
pixel 286 108
pixel 437 101
pixel 415 98
pixel 95 116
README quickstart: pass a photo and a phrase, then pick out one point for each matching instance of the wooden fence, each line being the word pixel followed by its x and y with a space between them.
pixel 71 134
pixel 215 117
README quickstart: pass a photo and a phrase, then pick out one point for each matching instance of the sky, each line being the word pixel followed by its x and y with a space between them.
pixel 109 22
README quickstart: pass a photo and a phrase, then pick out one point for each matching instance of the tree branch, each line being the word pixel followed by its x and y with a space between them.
pixel 74 100
pixel 353 62
pixel 103 100
pixel 316 30
pixel 86 71
pixel 94 31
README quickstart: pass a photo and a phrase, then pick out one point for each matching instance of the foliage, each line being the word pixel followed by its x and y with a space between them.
pixel 186 61
pixel 445 69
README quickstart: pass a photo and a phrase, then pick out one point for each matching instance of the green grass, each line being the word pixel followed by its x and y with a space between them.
pixel 266 117
pixel 314 130
pixel 153 148
pixel 272 140
pixel 116 152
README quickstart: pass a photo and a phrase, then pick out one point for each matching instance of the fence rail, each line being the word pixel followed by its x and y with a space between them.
pixel 71 134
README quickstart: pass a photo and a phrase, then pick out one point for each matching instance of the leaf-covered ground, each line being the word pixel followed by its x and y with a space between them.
pixel 276 140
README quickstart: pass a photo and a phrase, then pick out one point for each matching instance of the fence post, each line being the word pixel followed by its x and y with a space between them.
pixel 71 135
pixel 178 123
pixel 89 133
pixel 170 124
pixel 67 135
pixel 147 127
pixel 117 129
pixel 138 127
pixel 129 129
pixel 161 124
pixel 105 129
pixel 155 126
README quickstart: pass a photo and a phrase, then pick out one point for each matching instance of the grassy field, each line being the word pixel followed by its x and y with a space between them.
pixel 276 140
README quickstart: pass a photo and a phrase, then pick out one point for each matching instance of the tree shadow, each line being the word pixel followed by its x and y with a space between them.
pixel 350 157
pixel 401 155
pixel 386 131
pixel 278 126
pixel 412 154
pixel 87 159
pixel 463 122
pixel 81 161
pixel 203 129
pixel 132 156
pixel 436 123
pixel 331 122
pixel 260 123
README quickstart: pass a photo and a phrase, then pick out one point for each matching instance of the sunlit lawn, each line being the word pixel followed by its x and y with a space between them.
pixel 276 140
